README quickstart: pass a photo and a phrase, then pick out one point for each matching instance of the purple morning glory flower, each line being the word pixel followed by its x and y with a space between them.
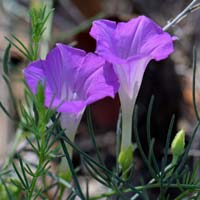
pixel 72 80
pixel 130 46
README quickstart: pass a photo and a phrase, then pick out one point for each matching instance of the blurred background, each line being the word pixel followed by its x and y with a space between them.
pixel 170 80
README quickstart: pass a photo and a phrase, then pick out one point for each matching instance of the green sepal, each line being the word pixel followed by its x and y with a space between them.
pixel 125 158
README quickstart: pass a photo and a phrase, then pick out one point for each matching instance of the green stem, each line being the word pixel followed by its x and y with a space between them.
pixel 194 83
pixel 142 187
pixel 42 160
pixel 91 133
pixel 72 169
pixel 182 195
pixel 168 170
pixel 35 50
pixel 35 178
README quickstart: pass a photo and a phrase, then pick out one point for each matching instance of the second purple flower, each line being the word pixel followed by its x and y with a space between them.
pixel 129 47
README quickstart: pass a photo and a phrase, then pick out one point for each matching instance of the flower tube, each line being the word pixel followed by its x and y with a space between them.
pixel 129 47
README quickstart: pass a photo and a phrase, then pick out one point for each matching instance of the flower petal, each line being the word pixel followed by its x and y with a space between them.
pixel 127 39
pixel 103 31
pixel 61 63
pixel 96 79
pixel 33 73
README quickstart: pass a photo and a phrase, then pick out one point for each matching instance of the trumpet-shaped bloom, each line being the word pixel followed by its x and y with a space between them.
pixel 72 80
pixel 130 46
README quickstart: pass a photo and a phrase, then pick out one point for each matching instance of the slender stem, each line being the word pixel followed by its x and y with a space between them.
pixel 194 83
pixel 42 160
pixel 35 50
pixel 92 136
pixel 180 16
pixel 168 169
pixel 142 187
pixel 182 195
pixel 72 169
pixel 34 180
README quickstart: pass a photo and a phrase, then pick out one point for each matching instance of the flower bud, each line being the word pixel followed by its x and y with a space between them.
pixel 178 144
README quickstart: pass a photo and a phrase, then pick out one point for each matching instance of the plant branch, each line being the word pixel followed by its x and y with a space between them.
pixel 189 9
pixel 142 187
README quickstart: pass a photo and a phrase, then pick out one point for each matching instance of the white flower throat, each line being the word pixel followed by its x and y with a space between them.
pixel 68 94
